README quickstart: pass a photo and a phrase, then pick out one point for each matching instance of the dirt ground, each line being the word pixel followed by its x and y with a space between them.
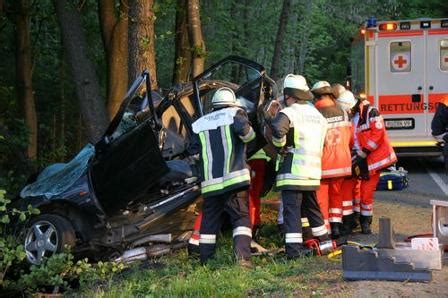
pixel 410 215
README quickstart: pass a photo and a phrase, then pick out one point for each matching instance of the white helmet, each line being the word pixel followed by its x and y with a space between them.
pixel 224 97
pixel 322 88
pixel 296 86
pixel 346 100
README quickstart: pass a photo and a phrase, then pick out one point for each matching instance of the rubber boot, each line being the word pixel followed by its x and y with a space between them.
pixel 365 221
pixel 335 230
pixel 347 224
pixel 356 216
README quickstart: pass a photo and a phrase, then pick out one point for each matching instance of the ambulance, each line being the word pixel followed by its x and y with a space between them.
pixel 401 67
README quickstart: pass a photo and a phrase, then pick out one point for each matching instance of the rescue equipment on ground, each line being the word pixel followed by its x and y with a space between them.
pixel 399 261
pixel 393 179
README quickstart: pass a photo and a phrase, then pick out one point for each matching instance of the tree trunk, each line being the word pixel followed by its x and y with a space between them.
pixel 284 15
pixel 182 56
pixel 196 38
pixel 61 134
pixel 24 75
pixel 141 40
pixel 303 49
pixel 93 109
pixel 115 39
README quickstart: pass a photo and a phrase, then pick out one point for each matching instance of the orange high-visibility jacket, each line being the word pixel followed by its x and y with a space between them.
pixel 372 135
pixel 336 158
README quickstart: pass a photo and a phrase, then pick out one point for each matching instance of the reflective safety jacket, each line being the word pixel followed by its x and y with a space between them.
pixel 336 156
pixel 439 124
pixel 372 136
pixel 223 135
pixel 301 129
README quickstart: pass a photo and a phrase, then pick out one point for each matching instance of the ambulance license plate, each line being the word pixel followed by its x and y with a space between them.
pixel 403 123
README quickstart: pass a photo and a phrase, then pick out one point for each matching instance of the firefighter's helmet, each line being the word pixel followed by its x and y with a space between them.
pixel 346 100
pixel 224 97
pixel 322 88
pixel 295 86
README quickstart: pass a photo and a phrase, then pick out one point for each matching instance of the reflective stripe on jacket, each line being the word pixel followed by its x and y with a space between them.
pixel 223 135
pixel 336 156
pixel 301 128
pixel 260 154
pixel 372 136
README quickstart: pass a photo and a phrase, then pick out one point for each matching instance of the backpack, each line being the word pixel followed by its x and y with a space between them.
pixel 393 179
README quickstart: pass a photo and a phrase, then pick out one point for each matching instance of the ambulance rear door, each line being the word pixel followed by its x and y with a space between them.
pixel 436 69
pixel 399 84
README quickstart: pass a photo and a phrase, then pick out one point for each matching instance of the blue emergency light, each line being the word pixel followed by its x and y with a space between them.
pixel 371 22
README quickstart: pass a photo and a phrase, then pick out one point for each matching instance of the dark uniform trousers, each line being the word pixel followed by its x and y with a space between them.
pixel 236 206
pixel 295 204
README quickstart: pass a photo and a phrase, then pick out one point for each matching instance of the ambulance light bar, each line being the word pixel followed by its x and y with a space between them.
pixel 388 26
pixel 425 24
pixel 444 23
pixel 405 25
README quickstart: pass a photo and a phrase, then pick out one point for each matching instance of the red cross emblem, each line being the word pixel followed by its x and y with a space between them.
pixel 400 61
pixel 333 137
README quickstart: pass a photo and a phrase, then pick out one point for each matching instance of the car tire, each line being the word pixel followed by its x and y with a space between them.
pixel 47 234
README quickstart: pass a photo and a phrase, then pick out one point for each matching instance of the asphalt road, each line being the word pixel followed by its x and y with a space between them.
pixel 428 180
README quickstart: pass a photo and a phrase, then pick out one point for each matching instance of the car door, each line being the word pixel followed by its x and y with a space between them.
pixel 253 89
pixel 127 159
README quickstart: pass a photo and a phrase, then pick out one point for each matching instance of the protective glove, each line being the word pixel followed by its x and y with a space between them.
pixel 360 168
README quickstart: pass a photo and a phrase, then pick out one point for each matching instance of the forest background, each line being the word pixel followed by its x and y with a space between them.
pixel 65 65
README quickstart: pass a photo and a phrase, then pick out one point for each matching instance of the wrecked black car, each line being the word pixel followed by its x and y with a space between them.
pixel 138 185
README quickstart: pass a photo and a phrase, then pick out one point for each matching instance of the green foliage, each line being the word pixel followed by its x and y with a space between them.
pixel 60 271
pixel 12 251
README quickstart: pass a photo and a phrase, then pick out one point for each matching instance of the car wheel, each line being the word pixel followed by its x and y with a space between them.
pixel 46 235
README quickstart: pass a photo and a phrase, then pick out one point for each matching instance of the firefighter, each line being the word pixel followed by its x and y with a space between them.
pixel 223 135
pixel 299 131
pixel 336 159
pixel 371 153
pixel 439 127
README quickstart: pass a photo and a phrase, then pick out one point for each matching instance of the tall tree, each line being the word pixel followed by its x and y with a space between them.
pixel 282 22
pixel 141 40
pixel 196 38
pixel 114 29
pixel 24 74
pixel 93 110
pixel 303 48
pixel 182 55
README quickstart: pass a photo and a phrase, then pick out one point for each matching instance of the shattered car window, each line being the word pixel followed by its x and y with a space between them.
pixel 246 80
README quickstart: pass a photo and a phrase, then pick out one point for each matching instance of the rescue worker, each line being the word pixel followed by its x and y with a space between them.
pixel 336 159
pixel 257 164
pixel 351 192
pixel 223 135
pixel 371 153
pixel 439 127
pixel 299 132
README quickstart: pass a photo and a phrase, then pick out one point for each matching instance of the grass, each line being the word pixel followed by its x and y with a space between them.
pixel 177 275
